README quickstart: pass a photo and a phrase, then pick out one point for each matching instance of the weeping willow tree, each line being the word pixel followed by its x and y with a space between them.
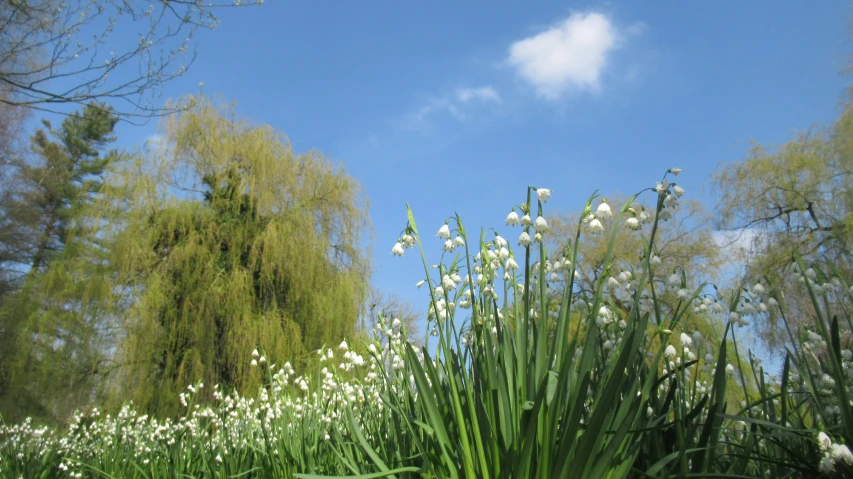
pixel 231 242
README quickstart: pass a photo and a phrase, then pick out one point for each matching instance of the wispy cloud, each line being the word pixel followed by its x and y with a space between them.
pixel 571 55
pixel 738 246
pixel 458 105
pixel 483 93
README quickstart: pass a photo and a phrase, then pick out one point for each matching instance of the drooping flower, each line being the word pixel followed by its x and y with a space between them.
pixel 448 246
pixel 540 225
pixel 633 223
pixel 675 171
pixel 499 241
pixel 408 241
pixel 678 190
pixel 543 194
pixel 595 227
pixel 603 211
pixel 840 452
pixel 420 283
pixel 670 351
pixel 398 250
pixel 824 441
pixel 512 218
pixel 444 232
pixel 526 221
pixel 826 465
pixel 511 264
pixel 344 346
pixel 458 241
pixel 255 353
pixel 686 340
pixel 524 239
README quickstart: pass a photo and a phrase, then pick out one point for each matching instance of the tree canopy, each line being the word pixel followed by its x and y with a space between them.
pixel 230 242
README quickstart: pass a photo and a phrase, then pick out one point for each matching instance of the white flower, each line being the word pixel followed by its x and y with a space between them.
pixel 686 340
pixel 254 362
pixel 543 194
pixel 397 250
pixel 503 253
pixel 537 237
pixel 262 360
pixel 408 240
pixel 654 259
pixel 526 221
pixel 511 264
pixel 420 283
pixel 218 458
pixel 448 246
pixel 824 441
pixel 595 226
pixel 678 190
pixel 730 368
pixel 499 241
pixel 683 294
pixel 512 218
pixel 674 279
pixel 670 351
pixel 603 211
pixel 633 223
pixel 758 288
pixel 255 353
pixel 444 232
pixel 458 241
pixel 826 465
pixel 540 225
pixel 524 239
pixel 344 346
pixel 840 452
pixel 675 171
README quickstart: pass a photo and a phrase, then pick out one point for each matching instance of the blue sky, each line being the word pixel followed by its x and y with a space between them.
pixel 458 106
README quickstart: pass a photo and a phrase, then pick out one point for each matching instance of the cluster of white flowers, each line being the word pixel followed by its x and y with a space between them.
pixel 832 453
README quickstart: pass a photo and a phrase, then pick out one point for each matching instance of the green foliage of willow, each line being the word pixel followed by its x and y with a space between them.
pixel 231 242
pixel 792 197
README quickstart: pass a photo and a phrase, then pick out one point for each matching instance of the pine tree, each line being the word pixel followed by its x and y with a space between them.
pixel 50 347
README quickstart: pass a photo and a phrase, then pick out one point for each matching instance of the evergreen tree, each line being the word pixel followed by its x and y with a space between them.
pixel 50 347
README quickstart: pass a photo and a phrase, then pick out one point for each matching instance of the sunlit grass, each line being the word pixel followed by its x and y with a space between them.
pixel 514 380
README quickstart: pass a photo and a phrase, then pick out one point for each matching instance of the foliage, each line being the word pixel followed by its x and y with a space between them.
pixel 500 395
pixel 796 196
pixel 51 346
pixel 229 242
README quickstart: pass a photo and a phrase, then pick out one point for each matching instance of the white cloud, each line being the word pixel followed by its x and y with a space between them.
pixel 738 246
pixel 154 141
pixel 570 55
pixel 458 105
pixel 483 93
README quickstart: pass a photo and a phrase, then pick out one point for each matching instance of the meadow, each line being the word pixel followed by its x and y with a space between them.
pixel 515 378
